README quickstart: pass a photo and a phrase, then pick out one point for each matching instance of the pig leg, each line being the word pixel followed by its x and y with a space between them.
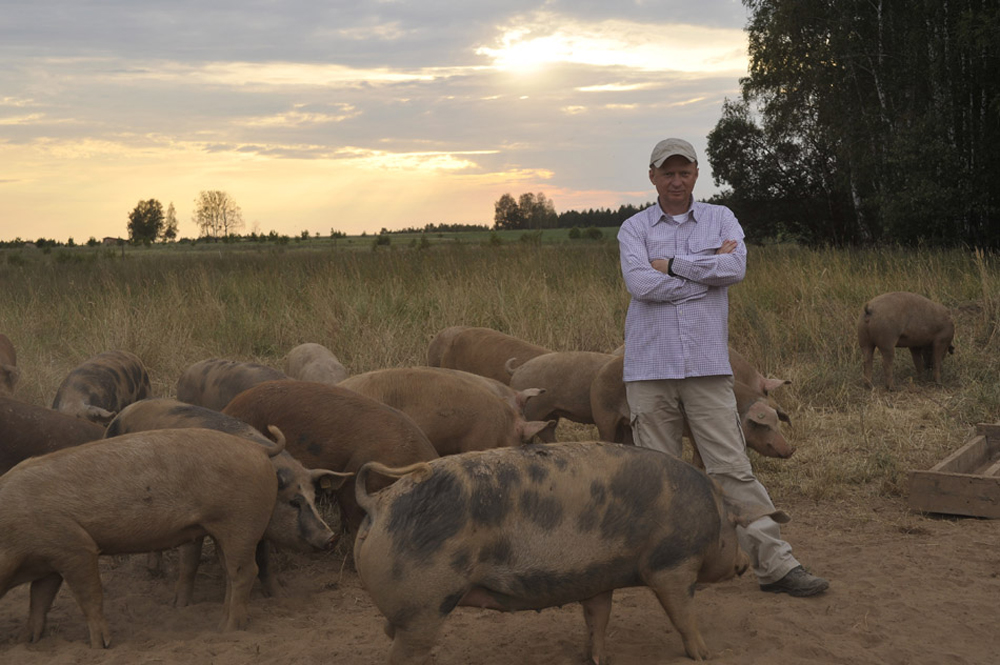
pixel 888 357
pixel 596 612
pixel 84 580
pixel 937 352
pixel 919 355
pixel 412 645
pixel 268 580
pixel 237 560
pixel 674 588
pixel 188 560
pixel 867 355
pixel 43 592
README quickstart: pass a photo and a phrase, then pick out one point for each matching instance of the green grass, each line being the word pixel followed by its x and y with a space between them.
pixel 794 316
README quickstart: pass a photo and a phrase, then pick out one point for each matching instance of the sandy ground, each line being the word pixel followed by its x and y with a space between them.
pixel 905 589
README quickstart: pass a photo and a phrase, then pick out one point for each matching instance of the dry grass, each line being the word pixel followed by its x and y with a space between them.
pixel 794 316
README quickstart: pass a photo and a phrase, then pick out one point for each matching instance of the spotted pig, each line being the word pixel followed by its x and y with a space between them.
pixel 540 526
pixel 102 386
pixel 214 382
pixel 295 523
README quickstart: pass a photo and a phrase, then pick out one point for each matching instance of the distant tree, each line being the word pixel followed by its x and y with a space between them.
pixel 92 242
pixel 507 214
pixel 145 222
pixel 217 214
pixel 170 224
pixel 537 211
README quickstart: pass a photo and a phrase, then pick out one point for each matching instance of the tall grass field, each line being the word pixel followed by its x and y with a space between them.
pixel 794 316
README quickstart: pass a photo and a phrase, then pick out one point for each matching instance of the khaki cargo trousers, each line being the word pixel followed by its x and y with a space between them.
pixel 658 412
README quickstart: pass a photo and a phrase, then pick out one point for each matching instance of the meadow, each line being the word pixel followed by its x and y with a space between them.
pixel 794 316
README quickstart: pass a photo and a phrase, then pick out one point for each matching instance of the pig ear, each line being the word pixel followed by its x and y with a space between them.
pixel 100 416
pixel 530 429
pixel 783 417
pixel 745 514
pixel 328 481
pixel 524 395
pixel 772 384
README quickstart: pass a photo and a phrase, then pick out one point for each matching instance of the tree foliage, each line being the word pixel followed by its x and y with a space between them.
pixel 145 222
pixel 217 214
pixel 169 231
pixel 865 120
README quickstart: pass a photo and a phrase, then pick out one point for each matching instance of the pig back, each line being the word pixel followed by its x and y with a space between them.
pixel 214 382
pixel 147 490
pixel 486 352
pixel 28 430
pixel 331 427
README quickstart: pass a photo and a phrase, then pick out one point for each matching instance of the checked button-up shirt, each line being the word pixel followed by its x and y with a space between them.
pixel 678 327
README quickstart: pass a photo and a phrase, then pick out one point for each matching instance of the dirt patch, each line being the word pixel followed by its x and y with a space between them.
pixel 905 589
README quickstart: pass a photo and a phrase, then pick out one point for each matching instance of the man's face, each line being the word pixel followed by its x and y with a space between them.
pixel 674 182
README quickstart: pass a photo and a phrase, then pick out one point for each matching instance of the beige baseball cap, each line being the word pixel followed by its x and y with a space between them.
pixel 668 148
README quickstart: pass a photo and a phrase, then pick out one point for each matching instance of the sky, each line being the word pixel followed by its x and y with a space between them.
pixel 348 116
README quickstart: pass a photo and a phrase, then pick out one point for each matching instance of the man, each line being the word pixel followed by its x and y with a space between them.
pixel 678 258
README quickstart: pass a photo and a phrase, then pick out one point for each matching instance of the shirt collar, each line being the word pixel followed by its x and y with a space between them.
pixel 691 213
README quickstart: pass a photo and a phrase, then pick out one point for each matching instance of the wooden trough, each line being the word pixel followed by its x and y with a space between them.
pixel 967 482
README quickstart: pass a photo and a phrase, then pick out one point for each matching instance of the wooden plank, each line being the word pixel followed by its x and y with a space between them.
pixel 989 431
pixel 967 458
pixel 992 470
pixel 955 494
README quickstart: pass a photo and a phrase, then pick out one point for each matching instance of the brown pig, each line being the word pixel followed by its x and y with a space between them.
pixel 482 351
pixel 566 377
pixel 9 372
pixel 456 414
pixel 212 383
pixel 539 526
pixel 102 386
pixel 747 374
pixel 314 362
pixel 331 427
pixel 135 493
pixel 29 430
pixel 759 419
pixel 906 320
pixel 295 523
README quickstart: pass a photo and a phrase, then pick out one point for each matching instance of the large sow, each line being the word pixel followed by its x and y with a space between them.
pixel 539 526
pixel 135 493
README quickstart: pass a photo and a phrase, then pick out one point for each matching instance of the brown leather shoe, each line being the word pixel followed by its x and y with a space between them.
pixel 797 582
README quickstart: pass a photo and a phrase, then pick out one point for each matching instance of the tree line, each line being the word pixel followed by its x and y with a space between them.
pixel 866 121
pixel 536 211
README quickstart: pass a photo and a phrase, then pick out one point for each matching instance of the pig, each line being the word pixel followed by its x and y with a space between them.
pixel 295 523
pixel 516 398
pixel 102 386
pixel 902 319
pixel 314 362
pixel 212 383
pixel 331 427
pixel 457 414
pixel 539 526
pixel 29 430
pixel 566 377
pixel 747 374
pixel 481 351
pixel 135 493
pixel 759 418
pixel 9 371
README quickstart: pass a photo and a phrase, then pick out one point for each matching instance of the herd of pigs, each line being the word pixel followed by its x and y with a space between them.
pixel 433 468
